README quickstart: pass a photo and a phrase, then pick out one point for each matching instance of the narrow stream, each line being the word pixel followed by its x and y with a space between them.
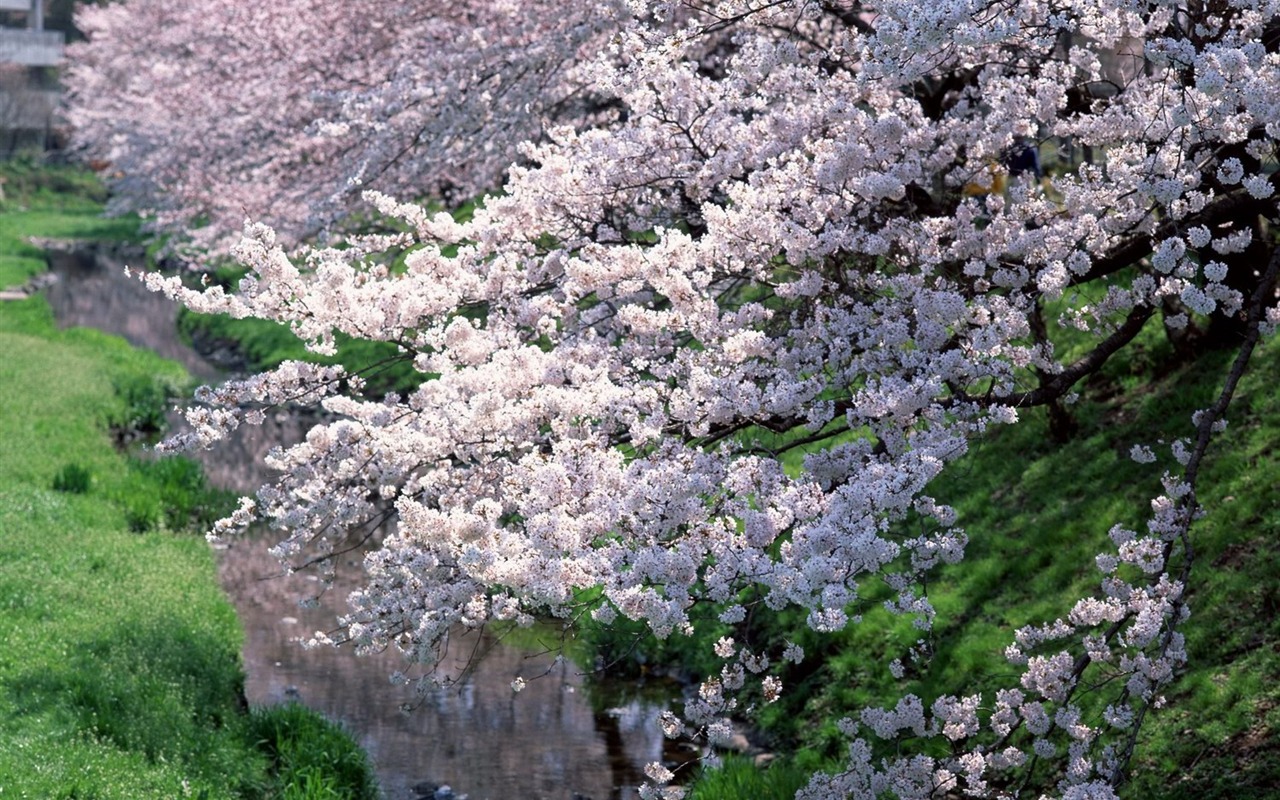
pixel 559 739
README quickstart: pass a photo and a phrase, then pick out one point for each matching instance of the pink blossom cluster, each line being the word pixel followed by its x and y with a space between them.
pixel 711 347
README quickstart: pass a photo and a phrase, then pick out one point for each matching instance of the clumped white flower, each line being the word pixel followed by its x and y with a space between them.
pixel 1142 454
pixel 771 688
pixel 1181 453
pixel 1231 171
pixel 658 773
pixel 733 614
pixel 1168 254
pixel 1233 242
pixel 1215 270
pixel 793 653
pixel 672 727
pixel 1118 716
pixel 1199 236
pixel 1259 186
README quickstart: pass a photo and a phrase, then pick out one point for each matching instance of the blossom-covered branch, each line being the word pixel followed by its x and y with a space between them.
pixel 204 112
pixel 823 226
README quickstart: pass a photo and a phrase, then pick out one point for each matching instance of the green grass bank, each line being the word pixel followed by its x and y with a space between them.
pixel 120 673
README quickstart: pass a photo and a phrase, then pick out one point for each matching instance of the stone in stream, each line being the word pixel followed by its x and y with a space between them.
pixel 426 790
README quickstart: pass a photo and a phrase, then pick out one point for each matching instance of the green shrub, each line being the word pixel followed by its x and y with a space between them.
pixel 170 494
pixel 31 181
pixel 739 778
pixel 142 513
pixel 311 757
pixel 184 492
pixel 145 400
pixel 73 478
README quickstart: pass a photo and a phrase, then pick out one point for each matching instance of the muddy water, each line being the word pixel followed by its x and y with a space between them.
pixel 550 741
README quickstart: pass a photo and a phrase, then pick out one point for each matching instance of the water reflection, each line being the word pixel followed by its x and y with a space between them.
pixel 478 736
pixel 91 291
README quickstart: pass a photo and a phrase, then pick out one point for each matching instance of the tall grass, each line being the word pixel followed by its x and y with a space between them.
pixel 312 757
pixel 738 778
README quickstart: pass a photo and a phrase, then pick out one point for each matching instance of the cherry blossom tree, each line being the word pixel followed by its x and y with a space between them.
pixel 815 227
pixel 208 111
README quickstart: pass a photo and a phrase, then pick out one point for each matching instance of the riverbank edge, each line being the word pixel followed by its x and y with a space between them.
pixel 110 631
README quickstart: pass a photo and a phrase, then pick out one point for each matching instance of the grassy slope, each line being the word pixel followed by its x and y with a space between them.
pixel 119 655
pixel 1045 509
